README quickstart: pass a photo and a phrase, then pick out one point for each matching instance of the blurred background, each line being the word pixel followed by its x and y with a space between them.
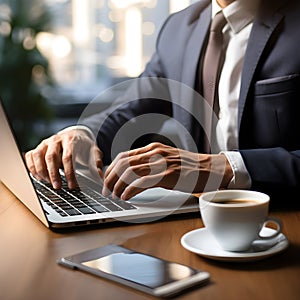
pixel 57 55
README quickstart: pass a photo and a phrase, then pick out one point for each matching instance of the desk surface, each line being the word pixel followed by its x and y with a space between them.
pixel 29 251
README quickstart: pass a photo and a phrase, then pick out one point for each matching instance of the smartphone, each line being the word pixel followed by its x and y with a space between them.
pixel 137 270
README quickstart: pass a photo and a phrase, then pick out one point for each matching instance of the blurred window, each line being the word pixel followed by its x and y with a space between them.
pixel 95 43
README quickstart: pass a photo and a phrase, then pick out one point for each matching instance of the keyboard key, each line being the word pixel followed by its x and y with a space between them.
pixel 72 212
pixel 99 208
pixel 111 206
pixel 85 210
pixel 125 205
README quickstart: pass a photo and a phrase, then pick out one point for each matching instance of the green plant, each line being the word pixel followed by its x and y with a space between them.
pixel 24 71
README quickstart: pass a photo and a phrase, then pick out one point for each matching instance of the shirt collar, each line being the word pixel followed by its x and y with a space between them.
pixel 238 14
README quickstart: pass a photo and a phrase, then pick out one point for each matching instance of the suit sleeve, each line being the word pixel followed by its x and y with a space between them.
pixel 275 171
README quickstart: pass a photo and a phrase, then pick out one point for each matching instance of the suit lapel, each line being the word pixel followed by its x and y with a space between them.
pixel 200 23
pixel 263 27
pixel 194 46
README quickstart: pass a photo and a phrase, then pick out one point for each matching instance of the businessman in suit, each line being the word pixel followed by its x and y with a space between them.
pixel 259 104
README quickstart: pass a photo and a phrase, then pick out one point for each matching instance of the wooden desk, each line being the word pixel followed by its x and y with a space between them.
pixel 28 269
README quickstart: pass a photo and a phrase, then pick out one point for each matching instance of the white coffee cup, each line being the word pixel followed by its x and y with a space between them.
pixel 235 218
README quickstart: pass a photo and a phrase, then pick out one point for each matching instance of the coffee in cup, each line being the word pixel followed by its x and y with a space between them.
pixel 235 218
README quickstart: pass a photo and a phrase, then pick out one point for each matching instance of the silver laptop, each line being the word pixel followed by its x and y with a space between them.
pixel 84 205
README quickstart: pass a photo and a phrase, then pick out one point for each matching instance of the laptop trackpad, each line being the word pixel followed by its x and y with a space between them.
pixel 163 197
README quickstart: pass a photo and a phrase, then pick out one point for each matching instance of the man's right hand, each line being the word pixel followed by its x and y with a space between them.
pixel 60 151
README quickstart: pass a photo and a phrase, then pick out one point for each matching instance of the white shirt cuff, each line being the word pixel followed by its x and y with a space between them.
pixel 241 178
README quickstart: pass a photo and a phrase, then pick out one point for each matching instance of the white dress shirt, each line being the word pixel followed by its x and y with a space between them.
pixel 239 15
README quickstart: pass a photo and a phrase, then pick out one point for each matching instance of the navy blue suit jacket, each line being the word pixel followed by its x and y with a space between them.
pixel 269 103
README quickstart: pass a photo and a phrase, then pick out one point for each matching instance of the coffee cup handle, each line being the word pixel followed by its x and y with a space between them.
pixel 277 223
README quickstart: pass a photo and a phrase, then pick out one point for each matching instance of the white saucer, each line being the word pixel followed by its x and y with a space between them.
pixel 201 242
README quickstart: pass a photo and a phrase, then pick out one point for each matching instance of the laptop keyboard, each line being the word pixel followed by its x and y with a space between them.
pixel 82 200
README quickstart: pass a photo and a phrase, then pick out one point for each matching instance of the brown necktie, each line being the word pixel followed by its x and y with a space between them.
pixel 213 59
pixel 212 63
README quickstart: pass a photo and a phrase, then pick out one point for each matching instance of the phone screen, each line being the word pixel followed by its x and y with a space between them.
pixel 142 269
